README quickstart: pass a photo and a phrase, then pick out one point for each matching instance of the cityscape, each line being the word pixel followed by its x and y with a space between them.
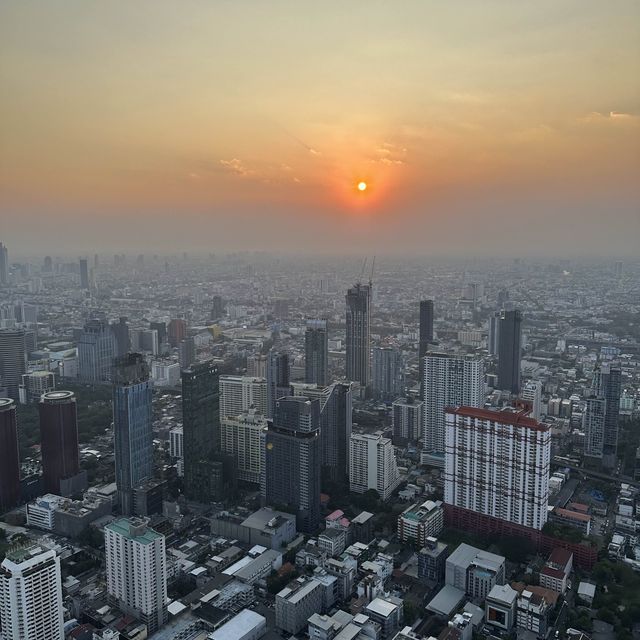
pixel 320 321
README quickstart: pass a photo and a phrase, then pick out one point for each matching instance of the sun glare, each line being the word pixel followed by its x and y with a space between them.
pixel 362 186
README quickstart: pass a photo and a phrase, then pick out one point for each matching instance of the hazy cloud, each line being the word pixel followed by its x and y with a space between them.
pixel 235 166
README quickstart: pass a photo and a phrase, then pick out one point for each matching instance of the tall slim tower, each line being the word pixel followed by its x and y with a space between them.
pixel 293 458
pixel 31 595
pixel 177 331
pixel 123 338
pixel 132 396
pixel 509 351
pixel 336 423
pixel 426 327
pixel 9 456
pixel 4 264
pixel 84 274
pixel 13 360
pixel 277 379
pixel 137 570
pixel 59 441
pixel 387 381
pixel 358 338
pixel 316 342
pixel 96 351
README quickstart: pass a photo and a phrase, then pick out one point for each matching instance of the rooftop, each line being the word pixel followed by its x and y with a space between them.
pixel 134 529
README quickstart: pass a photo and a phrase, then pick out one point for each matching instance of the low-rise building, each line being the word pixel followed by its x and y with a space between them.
pixel 556 571
pixel 421 521
pixel 332 541
pixel 500 607
pixel 388 613
pixel 432 562
pixel 474 571
pixel 297 602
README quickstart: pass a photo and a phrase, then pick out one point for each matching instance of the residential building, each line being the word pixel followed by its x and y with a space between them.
pixel 532 392
pixel 278 379
pixel 474 571
pixel 241 438
pixel 317 353
pixel 358 336
pixel 335 431
pixel 407 417
pixel 34 384
pixel 500 607
pixel 388 612
pixel 509 351
pixel 571 518
pixel 432 560
pixel 420 522
pixel 297 602
pixel 556 571
pixel 426 328
pixel 387 381
pixel 372 465
pixel 238 394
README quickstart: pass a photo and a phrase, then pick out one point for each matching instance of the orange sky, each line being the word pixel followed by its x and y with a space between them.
pixel 247 123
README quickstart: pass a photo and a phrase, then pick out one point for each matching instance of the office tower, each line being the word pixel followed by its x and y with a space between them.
pixel 9 456
pixel 387 380
pixel 132 396
pixel 335 431
pixel 31 595
pixel 316 343
pixel 13 360
pixel 602 414
pixel 34 384
pixel 241 438
pixel 503 298
pixel 372 465
pixel 96 351
pixel 509 351
pixel 239 393
pixel 532 392
pixel 497 463
pixel 407 419
pixel 292 460
pixel 4 265
pixel 177 331
pixel 449 381
pixel 121 334
pixel 426 327
pixel 277 379
pixel 217 308
pixel 493 333
pixel 186 353
pixel 145 341
pixel 358 338
pixel 84 274
pixel 257 366
pixel 136 569
pixel 161 328
pixel 59 442
pixel 209 474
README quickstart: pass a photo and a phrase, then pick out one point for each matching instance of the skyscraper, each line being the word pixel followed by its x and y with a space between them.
pixel 4 264
pixel 426 327
pixel 532 392
pixel 84 274
pixel 316 352
pixel 123 339
pixel 335 431
pixel 209 474
pixel 136 571
pixel 96 351
pixel 358 337
pixel 241 438
pixel 372 464
pixel 387 382
pixel 31 595
pixel 186 353
pixel 59 442
pixel 277 379
pixel 292 454
pixel 449 381
pixel 493 333
pixel 407 419
pixel 239 393
pixel 177 331
pixel 9 456
pixel 13 360
pixel 497 463
pixel 509 351
pixel 132 396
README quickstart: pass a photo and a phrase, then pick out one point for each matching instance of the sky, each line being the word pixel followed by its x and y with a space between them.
pixel 480 127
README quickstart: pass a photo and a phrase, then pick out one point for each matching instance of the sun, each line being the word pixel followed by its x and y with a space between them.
pixel 362 186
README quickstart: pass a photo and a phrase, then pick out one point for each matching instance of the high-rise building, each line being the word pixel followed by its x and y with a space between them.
pixel 509 351
pixel 449 381
pixel 36 383
pixel 209 474
pixel 317 352
pixel 335 431
pixel 186 352
pixel 9 456
pixel 31 595
pixel 84 274
pixel 407 418
pixel 132 396
pixel 238 394
pixel 493 333
pixel 241 438
pixel 4 264
pixel 292 460
pixel 593 419
pixel 497 463
pixel 123 339
pixel 217 308
pixel 59 442
pixel 96 351
pixel 358 336
pixel 388 382
pixel 13 360
pixel 161 328
pixel 372 464
pixel 278 379
pixel 426 327
pixel 532 392
pixel 177 331
pixel 136 569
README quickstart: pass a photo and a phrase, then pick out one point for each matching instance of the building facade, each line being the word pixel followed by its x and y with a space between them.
pixel 9 456
pixel 358 336
pixel 372 465
pixel 509 351
pixel 96 351
pixel 316 343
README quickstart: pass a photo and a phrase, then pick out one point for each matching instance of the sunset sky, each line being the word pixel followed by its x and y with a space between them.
pixel 482 128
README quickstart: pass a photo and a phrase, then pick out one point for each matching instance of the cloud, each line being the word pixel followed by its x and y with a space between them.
pixel 235 166
pixel 314 152
pixel 612 116
pixel 390 154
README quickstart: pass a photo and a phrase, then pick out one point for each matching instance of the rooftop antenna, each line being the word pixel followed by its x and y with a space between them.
pixel 364 266
pixel 373 265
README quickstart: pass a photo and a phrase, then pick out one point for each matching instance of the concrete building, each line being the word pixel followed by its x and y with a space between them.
pixel 556 571
pixel 13 360
pixel 432 560
pixel 316 353
pixel 34 384
pixel 297 602
pixel 420 522
pixel 9 456
pixel 241 438
pixel 266 527
pixel 238 394
pixel 358 334
pixel 246 625
pixel 532 392
pixel 509 351
pixel 510 453
pixel 388 613
pixel 407 416
pixel 474 571
pixel 387 380
pixel 372 465
pixel 96 350
pixel 31 595
pixel 500 607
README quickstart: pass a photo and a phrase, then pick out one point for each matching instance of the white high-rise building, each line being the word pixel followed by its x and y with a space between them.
pixel 372 464
pixel 497 463
pixel 239 393
pixel 240 437
pixel 449 381
pixel 532 392
pixel 176 448
pixel 137 570
pixel 31 595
